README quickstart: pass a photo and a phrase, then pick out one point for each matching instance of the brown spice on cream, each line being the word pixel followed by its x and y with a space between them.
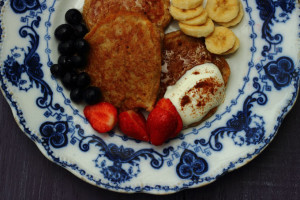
pixel 185 100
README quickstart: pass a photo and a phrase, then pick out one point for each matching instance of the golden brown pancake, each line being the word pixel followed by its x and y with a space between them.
pixel 180 54
pixel 157 11
pixel 125 60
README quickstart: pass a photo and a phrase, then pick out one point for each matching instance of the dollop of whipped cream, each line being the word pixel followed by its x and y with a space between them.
pixel 198 91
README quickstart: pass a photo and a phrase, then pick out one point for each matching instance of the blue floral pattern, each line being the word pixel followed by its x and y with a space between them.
pixel 191 166
pixel 124 162
pixel 280 72
pixel 55 133
pixel 117 165
pixel 21 6
pixel 250 125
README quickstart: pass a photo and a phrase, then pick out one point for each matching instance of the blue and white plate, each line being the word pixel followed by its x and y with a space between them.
pixel 262 89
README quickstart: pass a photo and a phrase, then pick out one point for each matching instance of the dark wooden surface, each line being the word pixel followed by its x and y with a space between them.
pixel 26 174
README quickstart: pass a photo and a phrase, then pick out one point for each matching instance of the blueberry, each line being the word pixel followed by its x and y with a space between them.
pixel 78 62
pixel 73 16
pixel 76 95
pixel 65 62
pixel 80 30
pixel 82 46
pixel 83 80
pixel 68 80
pixel 57 70
pixel 92 95
pixel 66 47
pixel 64 32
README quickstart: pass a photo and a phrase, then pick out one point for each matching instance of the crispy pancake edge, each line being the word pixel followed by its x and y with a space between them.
pixel 155 38
pixel 162 23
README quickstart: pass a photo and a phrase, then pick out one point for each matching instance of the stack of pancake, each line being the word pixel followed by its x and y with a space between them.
pixel 128 49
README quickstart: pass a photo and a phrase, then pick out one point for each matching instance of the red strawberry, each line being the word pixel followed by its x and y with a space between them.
pixel 133 124
pixel 166 104
pixel 102 116
pixel 161 125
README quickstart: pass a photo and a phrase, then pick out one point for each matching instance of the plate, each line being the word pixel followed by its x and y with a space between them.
pixel 262 89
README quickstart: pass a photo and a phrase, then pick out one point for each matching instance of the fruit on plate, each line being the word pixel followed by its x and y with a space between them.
pixel 161 125
pixel 199 20
pixel 236 20
pixel 167 105
pixel 164 122
pixel 187 4
pixel 221 10
pixel 181 14
pixel 235 47
pixel 133 124
pixel 73 16
pixel 102 116
pixel 220 41
pixel 198 31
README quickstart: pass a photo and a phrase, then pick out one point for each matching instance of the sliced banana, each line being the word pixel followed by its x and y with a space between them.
pixel 199 20
pixel 222 10
pixel 181 14
pixel 235 47
pixel 236 20
pixel 198 31
pixel 186 4
pixel 220 41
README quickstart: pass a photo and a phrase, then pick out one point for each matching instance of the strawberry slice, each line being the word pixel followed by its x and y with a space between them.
pixel 133 124
pixel 102 116
pixel 167 105
pixel 161 125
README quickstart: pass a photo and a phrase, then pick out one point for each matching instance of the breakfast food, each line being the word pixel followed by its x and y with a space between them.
pixel 182 53
pixel 220 41
pixel 126 50
pixel 133 124
pixel 124 65
pixel 186 4
pixel 156 10
pixel 222 11
pixel 198 31
pixel 73 50
pixel 181 14
pixel 234 48
pixel 199 20
pixel 198 91
pixel 163 122
pixel 235 20
pixel 167 105
pixel 102 116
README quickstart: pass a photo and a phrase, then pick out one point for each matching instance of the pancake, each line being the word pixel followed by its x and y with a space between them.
pixel 157 11
pixel 125 60
pixel 180 54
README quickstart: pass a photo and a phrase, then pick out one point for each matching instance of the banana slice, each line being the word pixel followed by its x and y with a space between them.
pixel 222 10
pixel 220 41
pixel 186 4
pixel 198 31
pixel 181 14
pixel 199 20
pixel 235 47
pixel 236 20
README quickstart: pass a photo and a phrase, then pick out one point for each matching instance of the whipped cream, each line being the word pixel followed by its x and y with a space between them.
pixel 198 91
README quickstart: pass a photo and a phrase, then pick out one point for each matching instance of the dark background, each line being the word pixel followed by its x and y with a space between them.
pixel 26 174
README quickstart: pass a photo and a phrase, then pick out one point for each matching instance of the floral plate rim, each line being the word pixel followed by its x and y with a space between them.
pixel 47 144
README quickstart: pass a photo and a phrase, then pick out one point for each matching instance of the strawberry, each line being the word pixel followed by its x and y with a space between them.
pixel 167 105
pixel 102 116
pixel 161 125
pixel 133 124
